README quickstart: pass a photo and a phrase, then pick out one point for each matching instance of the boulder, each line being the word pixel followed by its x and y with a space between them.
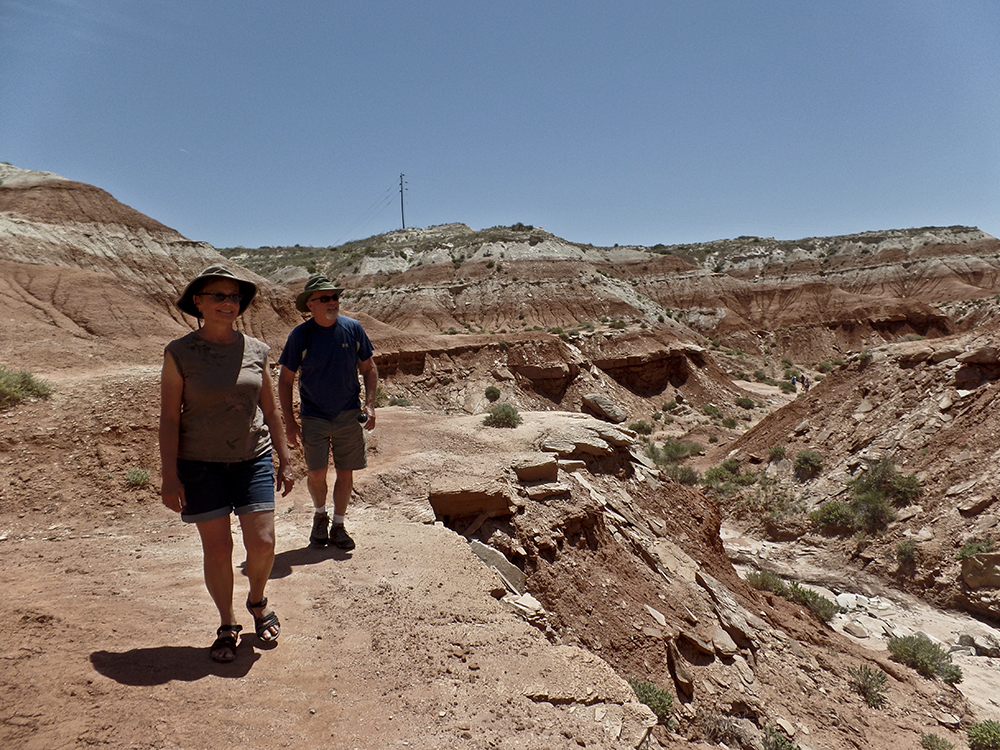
pixel 982 570
pixel 604 408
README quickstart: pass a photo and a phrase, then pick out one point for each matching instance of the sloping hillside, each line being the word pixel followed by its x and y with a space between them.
pixel 507 582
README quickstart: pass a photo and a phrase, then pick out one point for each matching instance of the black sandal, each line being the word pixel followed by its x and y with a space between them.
pixel 225 641
pixel 264 623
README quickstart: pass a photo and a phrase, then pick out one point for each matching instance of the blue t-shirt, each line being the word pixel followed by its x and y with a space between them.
pixel 328 358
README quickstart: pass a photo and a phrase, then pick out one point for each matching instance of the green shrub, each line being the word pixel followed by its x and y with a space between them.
pixel 984 736
pixel 881 477
pixel 819 605
pixel 906 551
pixel 870 684
pixel 669 406
pixel 685 475
pixel 729 423
pixel 787 386
pixel 17 386
pixel 732 465
pixel 777 453
pixel 834 515
pixel 934 742
pixel 975 547
pixel 399 401
pixel 673 451
pixel 503 415
pixel 873 511
pixel 765 580
pixel 773 739
pixel 905 489
pixel 922 654
pixel 717 475
pixel 711 411
pixel 642 428
pixel 744 402
pixel 659 700
pixel 137 477
pixel 807 464
pixel 492 393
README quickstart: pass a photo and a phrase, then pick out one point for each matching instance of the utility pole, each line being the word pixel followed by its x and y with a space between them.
pixel 402 213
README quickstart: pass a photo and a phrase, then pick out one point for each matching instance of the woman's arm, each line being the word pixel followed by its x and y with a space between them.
pixel 171 395
pixel 285 478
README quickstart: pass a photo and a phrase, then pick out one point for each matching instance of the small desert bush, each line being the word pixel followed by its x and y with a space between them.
pixel 873 511
pixel 906 551
pixel 934 742
pixel 744 402
pixel 787 386
pixel 398 401
pixel 870 684
pixel 685 475
pixel 777 453
pixel 492 393
pixel 821 607
pixel 660 702
pixel 503 415
pixel 18 386
pixel 881 477
pixel 669 406
pixel 975 547
pixel 721 729
pixel 925 656
pixel 137 477
pixel 673 451
pixel 984 736
pixel 641 428
pixel 834 515
pixel 807 464
pixel 709 410
pixel 773 739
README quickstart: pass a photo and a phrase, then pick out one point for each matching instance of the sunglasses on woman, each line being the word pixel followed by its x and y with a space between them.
pixel 220 297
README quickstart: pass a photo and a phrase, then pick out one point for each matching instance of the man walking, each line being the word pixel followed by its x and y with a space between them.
pixel 328 351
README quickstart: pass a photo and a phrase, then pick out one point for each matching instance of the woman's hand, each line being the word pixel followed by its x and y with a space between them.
pixel 284 478
pixel 172 494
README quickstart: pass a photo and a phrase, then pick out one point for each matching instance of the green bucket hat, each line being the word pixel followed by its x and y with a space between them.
pixel 186 302
pixel 316 283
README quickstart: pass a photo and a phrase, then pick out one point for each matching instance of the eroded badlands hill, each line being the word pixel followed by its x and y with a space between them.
pixel 615 570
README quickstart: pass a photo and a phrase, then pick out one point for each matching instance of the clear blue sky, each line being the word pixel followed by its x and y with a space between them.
pixel 656 121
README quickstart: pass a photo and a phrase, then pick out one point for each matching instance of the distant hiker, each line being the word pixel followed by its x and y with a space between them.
pixel 218 425
pixel 328 351
pixel 805 382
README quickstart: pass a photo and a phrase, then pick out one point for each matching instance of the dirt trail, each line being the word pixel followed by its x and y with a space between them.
pixel 398 643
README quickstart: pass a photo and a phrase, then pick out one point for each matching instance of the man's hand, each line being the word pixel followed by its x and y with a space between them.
pixel 292 433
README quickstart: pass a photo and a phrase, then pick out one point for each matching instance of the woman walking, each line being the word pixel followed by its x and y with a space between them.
pixel 218 426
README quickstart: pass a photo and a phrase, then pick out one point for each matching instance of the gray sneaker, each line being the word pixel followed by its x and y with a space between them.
pixel 340 538
pixel 319 537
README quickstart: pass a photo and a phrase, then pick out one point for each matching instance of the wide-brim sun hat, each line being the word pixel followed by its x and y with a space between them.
pixel 316 283
pixel 248 290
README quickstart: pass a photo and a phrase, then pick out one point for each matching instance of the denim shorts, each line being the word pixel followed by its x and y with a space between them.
pixel 344 436
pixel 213 489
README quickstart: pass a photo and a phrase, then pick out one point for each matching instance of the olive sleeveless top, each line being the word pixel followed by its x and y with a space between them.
pixel 221 419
